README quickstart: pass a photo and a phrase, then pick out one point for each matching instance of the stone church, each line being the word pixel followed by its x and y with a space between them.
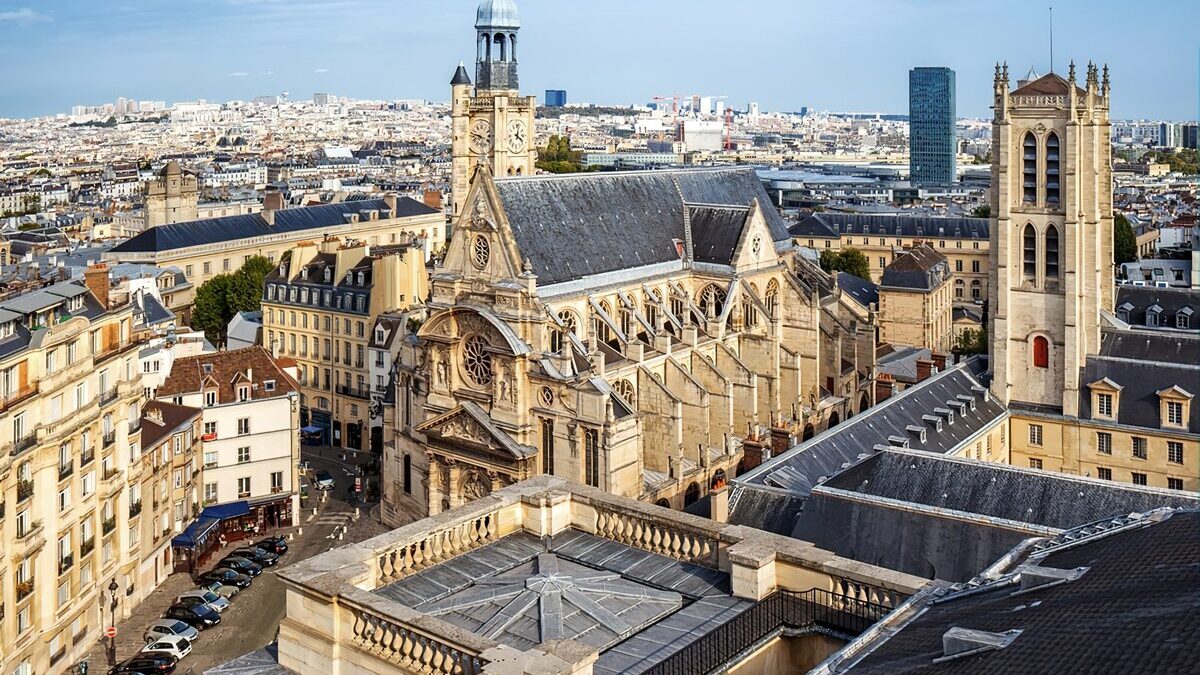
pixel 648 333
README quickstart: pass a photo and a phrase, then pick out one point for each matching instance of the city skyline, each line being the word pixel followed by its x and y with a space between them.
pixel 238 49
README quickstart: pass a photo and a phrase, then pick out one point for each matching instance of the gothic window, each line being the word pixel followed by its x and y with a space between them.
pixel 547 446
pixel 749 312
pixel 627 322
pixel 599 325
pixel 558 335
pixel 1029 251
pixel 677 304
pixel 1052 164
pixel 712 301
pixel 477 361
pixel 1051 252
pixel 481 250
pixel 772 297
pixel 1029 172
pixel 652 314
pixel 624 389
pixel 591 455
pixel 1041 352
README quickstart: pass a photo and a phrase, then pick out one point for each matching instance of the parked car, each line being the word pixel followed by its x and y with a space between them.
pixel 323 480
pixel 242 565
pixel 258 555
pixel 225 577
pixel 208 597
pixel 161 664
pixel 165 627
pixel 226 591
pixel 276 545
pixel 200 616
pixel 194 601
pixel 171 645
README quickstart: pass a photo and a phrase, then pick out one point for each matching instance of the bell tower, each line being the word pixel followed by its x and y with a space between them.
pixel 493 123
pixel 1051 234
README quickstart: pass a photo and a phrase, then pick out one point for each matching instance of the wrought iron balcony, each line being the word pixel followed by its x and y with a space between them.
pixel 135 508
pixel 24 490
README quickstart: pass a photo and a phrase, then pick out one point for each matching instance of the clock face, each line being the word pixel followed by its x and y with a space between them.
pixel 518 136
pixel 481 136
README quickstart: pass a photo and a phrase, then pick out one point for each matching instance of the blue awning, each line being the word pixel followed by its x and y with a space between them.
pixel 196 534
pixel 312 429
pixel 226 511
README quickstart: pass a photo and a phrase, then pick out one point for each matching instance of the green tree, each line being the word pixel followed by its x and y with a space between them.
pixel 557 156
pixel 982 211
pixel 849 260
pixel 1124 240
pixel 223 296
pixel 971 341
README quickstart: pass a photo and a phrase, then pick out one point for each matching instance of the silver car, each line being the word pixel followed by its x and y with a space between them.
pixel 211 598
pixel 164 627
pixel 223 590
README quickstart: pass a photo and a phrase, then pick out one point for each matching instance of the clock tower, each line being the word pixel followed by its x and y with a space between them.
pixel 492 122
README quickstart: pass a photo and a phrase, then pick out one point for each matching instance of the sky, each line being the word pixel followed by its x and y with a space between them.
pixel 838 55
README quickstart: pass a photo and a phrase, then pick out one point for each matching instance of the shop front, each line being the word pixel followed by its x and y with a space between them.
pixel 192 548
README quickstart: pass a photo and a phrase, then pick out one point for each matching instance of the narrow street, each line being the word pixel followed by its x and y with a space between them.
pixel 252 621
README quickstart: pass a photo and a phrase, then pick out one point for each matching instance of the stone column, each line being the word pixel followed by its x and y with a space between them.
pixel 452 488
pixel 434 499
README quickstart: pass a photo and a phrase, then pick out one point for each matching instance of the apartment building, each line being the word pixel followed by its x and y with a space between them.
pixel 320 308
pixel 914 300
pixel 250 431
pixel 70 438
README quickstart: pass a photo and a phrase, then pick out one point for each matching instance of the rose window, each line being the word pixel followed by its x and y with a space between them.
pixel 477 361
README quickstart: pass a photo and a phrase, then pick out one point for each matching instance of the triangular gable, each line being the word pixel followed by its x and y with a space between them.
pixel 469 425
pixel 1105 384
pixel 755 248
pixel 1174 391
pixel 483 243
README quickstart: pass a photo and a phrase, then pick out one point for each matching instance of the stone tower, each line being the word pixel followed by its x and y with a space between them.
pixel 171 197
pixel 1051 234
pixel 494 122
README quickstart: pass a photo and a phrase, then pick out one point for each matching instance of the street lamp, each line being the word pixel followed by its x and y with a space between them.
pixel 112 612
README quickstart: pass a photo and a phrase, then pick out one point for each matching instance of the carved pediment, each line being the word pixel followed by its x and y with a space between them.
pixel 470 426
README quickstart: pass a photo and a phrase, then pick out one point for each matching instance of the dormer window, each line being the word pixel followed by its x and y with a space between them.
pixel 270 291
pixel 1123 311
pixel 349 277
pixel 1175 404
pixel 1183 318
pixel 1153 315
pixel 269 385
pixel 360 278
pixel 328 275
pixel 1106 396
pixel 210 398
pixel 243 393
pixel 304 274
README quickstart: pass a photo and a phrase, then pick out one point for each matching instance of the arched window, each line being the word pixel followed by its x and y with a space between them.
pixel 599 325
pixel 1030 252
pixel 1052 169
pixel 501 50
pixel 772 299
pixel 712 301
pixel 1029 172
pixel 976 289
pixel 749 312
pixel 1051 252
pixel 512 41
pixel 958 288
pixel 1041 352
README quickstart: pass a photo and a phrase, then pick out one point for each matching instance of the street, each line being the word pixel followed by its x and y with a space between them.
pixel 253 619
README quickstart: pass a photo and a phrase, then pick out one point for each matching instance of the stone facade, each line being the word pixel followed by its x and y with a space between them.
pixel 171 197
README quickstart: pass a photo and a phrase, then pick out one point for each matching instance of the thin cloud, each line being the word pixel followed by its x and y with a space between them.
pixel 239 73
pixel 321 70
pixel 23 15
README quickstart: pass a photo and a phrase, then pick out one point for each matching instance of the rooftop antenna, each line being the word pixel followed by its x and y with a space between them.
pixel 1052 39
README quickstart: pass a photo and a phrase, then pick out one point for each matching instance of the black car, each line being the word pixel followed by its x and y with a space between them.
pixel 200 617
pixel 240 564
pixel 276 545
pixel 225 576
pixel 258 555
pixel 146 663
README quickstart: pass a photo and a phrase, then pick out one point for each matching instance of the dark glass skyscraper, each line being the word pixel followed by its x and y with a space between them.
pixel 931 139
pixel 556 98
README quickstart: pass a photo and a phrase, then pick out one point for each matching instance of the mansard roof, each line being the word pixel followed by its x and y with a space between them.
pixel 1141 381
pixel 571 227
pixel 835 223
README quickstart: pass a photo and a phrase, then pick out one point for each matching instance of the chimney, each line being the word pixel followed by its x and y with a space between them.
pixel 389 199
pixel 884 387
pixel 95 277
pixel 924 369
pixel 431 198
pixel 273 200
pixel 939 361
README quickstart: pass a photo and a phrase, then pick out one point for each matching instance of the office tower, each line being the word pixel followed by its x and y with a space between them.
pixel 931 125
pixel 556 98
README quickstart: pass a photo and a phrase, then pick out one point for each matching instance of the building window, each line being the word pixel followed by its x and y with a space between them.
pixel 882 261
pixel 1041 352
pixel 1175 413
pixel 1029 169
pixel 243 487
pixel 1052 252
pixel 1139 447
pixel 407 474
pixel 1104 442
pixel 1103 473
pixel 1175 452
pixel 1035 434
pixel 243 455
pixel 276 482
pixel 591 455
pixel 975 264
pixel 1104 405
pixel 210 398
pixel 1052 169
pixel 243 426
pixel 1035 463
pixel 1175 483
pixel 210 459
pixel 548 446
pixel 210 493
pixel 1138 478
pixel 1029 252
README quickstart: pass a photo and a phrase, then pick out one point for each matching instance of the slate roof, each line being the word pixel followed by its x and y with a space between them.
pixel 574 226
pixel 1050 84
pixel 901 362
pixel 1132 611
pixel 919 268
pixel 835 223
pixel 1144 345
pixel 1141 381
pixel 649 606
pixel 787 480
pixel 230 228
pixel 715 232
pixel 864 292
pixel 1133 301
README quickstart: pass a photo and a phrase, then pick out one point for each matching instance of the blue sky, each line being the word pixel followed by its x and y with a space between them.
pixel 783 53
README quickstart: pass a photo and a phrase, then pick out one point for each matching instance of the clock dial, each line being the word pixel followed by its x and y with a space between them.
pixel 518 136
pixel 481 136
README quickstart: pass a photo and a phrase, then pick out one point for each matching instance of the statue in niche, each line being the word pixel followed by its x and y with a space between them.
pixel 475 487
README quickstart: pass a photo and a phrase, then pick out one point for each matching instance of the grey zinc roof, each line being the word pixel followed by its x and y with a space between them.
pixel 229 228
pixel 715 232
pixel 1125 614
pixel 833 223
pixel 1150 345
pixel 1169 300
pixel 864 292
pixel 1141 380
pixel 574 226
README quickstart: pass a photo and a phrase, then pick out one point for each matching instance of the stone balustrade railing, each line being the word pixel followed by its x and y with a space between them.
pixel 625 526
pixel 403 645
pixel 437 545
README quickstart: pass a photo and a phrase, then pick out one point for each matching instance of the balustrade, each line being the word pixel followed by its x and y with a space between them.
pixel 437 546
pixel 664 538
pixel 410 649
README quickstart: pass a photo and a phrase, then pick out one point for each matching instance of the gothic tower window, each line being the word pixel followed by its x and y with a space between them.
pixel 600 326
pixel 712 301
pixel 1052 252
pixel 1041 352
pixel 548 446
pixel 772 297
pixel 1029 252
pixel 591 456
pixel 1029 174
pixel 1052 169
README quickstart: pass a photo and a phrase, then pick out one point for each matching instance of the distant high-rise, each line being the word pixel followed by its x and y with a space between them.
pixel 931 117
pixel 556 98
pixel 322 99
pixel 1188 135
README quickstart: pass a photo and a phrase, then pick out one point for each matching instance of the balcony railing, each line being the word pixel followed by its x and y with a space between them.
pixel 9 400
pixel 87 457
pixel 108 395
pixel 24 588
pixel 110 438
pixel 24 490
pixel 356 392
pixel 65 470
pixel 24 443
pixel 65 564
pixel 109 525
pixel 27 532
pixel 110 472
pixel 87 547
pixel 135 508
